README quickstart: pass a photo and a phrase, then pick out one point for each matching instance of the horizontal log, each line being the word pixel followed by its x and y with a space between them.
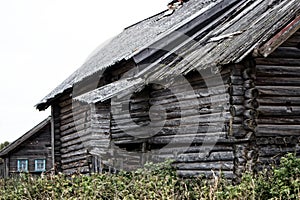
pixel 208 174
pixel 71 148
pixel 277 81
pixel 205 92
pixel 271 151
pixel 278 61
pixel 279 111
pixel 73 153
pixel 73 124
pixel 74 160
pixel 74 129
pixel 279 100
pixel 81 169
pixel 293 41
pixel 221 165
pixel 280 142
pixel 279 90
pixel 213 156
pixel 66 102
pixel 179 149
pixel 202 101
pixel 289 120
pixel 272 130
pixel 191 138
pixel 286 52
pixel 277 71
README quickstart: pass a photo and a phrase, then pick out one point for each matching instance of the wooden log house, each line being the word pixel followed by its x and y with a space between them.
pixel 31 153
pixel 225 69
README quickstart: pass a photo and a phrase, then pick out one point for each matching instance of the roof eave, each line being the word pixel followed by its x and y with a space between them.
pixel 24 137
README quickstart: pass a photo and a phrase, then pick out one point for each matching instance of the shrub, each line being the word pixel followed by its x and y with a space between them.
pixel 158 181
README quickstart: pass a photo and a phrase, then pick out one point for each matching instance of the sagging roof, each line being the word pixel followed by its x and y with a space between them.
pixel 229 38
pixel 25 137
pixel 132 41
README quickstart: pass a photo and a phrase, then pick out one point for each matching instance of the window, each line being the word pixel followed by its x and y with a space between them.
pixel 40 165
pixel 22 165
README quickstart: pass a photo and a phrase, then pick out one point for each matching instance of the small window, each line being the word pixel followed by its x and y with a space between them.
pixel 22 165
pixel 40 165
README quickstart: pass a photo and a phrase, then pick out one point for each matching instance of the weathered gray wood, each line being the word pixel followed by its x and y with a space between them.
pixel 236 80
pixel 279 110
pixel 278 61
pixel 285 120
pixel 271 151
pixel 236 100
pixel 272 130
pixel 278 70
pixel 221 165
pixel 286 52
pixel 237 110
pixel 236 90
pixel 214 156
pixel 278 81
pixel 209 174
pixel 251 93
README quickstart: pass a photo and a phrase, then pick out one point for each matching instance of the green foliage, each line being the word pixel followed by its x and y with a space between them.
pixel 158 181
pixel 3 145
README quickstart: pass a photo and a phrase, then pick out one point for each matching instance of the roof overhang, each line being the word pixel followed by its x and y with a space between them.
pixel 227 39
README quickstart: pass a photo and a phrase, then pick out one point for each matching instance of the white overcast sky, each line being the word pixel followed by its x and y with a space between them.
pixel 43 41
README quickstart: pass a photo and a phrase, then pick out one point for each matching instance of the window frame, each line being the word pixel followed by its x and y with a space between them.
pixel 36 165
pixel 19 165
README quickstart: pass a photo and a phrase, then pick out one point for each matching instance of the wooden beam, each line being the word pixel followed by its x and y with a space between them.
pixel 280 37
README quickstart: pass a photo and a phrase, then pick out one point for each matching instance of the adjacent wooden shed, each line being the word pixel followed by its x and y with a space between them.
pixel 30 153
pixel 222 76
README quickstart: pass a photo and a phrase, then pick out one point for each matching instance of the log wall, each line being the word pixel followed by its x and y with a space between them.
pixel 82 132
pixel 278 83
pixel 243 101
pixel 190 119
pixel 72 121
pixel 36 147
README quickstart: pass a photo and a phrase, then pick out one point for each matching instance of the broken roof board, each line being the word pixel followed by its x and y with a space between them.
pixel 231 41
pixel 132 41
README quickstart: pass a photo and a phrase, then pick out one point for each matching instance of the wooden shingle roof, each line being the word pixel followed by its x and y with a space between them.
pixel 216 32
pixel 228 38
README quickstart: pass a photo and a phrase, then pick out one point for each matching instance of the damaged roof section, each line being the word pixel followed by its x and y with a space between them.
pixel 131 41
pixel 227 39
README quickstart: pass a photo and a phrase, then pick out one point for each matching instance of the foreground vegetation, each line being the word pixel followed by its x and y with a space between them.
pixel 158 181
